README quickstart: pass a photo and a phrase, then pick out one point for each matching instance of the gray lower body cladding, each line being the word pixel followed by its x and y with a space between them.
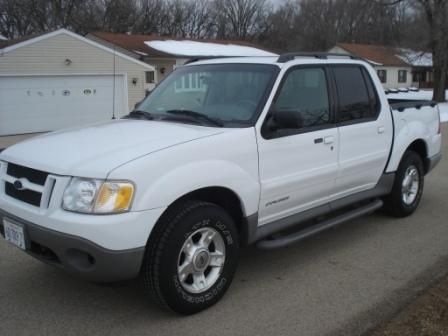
pixel 76 255
pixel 432 162
pixel 256 233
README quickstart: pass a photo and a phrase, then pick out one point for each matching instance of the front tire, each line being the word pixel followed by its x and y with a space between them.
pixel 408 186
pixel 191 257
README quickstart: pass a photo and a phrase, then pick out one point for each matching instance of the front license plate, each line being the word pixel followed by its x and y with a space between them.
pixel 14 234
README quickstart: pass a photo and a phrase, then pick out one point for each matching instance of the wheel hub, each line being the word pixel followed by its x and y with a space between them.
pixel 410 185
pixel 201 260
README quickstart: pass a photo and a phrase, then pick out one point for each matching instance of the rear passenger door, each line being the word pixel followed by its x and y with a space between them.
pixel 364 127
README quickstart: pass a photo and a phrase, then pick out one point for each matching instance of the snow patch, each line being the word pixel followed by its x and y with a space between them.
pixel 2 38
pixel 373 62
pixel 140 53
pixel 195 48
pixel 416 58
pixel 443 108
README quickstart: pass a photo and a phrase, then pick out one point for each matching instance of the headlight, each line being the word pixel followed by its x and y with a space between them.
pixel 97 196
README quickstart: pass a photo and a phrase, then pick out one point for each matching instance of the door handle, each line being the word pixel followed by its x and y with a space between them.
pixel 329 140
pixel 381 129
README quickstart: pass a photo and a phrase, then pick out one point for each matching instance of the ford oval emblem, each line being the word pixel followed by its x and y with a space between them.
pixel 18 185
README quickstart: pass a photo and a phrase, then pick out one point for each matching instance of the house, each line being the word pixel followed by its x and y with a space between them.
pixel 422 67
pixel 61 79
pixel 392 70
pixel 166 53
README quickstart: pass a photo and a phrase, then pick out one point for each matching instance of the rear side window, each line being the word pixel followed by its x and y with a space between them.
pixel 355 102
pixel 373 96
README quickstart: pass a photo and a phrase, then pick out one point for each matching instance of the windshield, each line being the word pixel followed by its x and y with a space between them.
pixel 228 94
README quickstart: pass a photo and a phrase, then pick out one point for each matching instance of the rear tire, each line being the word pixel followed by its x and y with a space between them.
pixel 408 186
pixel 191 257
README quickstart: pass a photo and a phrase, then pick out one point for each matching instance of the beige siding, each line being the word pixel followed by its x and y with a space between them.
pixel 392 77
pixel 166 64
pixel 48 57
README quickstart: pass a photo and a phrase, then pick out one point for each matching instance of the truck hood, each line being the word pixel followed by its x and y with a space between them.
pixel 96 150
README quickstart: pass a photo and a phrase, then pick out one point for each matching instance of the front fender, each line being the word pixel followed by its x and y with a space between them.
pixel 228 160
pixel 197 175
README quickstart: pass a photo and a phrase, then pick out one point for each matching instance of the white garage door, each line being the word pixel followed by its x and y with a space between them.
pixel 47 103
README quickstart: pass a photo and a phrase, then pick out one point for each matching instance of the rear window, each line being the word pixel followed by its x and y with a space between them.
pixel 357 100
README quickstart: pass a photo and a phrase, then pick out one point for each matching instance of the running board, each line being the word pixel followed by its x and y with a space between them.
pixel 282 241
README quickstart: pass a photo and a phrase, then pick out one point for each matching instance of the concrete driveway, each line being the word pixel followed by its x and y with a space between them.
pixel 343 281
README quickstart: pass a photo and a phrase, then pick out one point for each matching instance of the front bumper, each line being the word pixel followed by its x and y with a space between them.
pixel 77 255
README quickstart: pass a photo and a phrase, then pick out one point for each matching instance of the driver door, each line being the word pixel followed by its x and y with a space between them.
pixel 298 163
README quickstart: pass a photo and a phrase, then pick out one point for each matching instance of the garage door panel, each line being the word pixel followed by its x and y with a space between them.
pixel 46 103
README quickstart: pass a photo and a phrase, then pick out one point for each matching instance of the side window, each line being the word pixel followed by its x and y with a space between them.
pixel 304 92
pixel 373 95
pixel 382 74
pixel 402 76
pixel 353 96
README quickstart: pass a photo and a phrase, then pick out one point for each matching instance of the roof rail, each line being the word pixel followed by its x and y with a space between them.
pixel 204 58
pixel 321 55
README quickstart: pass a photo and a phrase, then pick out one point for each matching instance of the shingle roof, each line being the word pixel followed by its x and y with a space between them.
pixel 375 53
pixel 136 43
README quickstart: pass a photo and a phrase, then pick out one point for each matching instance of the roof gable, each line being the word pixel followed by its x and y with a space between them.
pixel 380 55
pixel 22 42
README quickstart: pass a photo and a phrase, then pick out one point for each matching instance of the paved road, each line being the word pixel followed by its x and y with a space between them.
pixel 341 282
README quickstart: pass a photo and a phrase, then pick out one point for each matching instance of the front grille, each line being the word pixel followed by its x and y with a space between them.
pixel 28 196
pixel 32 175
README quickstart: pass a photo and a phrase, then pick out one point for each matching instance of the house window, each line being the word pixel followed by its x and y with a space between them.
pixel 402 76
pixel 149 75
pixel 382 74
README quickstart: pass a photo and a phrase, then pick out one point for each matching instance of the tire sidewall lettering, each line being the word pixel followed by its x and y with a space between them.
pixel 200 298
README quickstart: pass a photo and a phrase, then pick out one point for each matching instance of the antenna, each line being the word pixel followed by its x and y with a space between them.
pixel 113 86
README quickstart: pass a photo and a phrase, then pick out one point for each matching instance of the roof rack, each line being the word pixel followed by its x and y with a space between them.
pixel 321 55
pixel 205 58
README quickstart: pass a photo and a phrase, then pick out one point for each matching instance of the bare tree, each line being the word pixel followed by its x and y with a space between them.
pixel 151 15
pixel 436 13
pixel 15 18
pixel 240 19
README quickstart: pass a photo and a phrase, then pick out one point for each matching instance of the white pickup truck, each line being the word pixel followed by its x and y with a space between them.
pixel 223 153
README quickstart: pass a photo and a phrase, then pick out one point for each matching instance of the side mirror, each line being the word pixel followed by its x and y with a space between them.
pixel 285 119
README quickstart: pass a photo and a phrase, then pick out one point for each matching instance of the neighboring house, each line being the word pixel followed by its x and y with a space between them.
pixel 392 70
pixel 166 53
pixel 422 67
pixel 61 79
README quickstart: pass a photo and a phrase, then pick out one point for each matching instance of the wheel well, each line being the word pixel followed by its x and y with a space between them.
pixel 223 197
pixel 419 147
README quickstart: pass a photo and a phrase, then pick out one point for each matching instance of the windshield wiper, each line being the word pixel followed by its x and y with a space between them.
pixel 139 114
pixel 197 116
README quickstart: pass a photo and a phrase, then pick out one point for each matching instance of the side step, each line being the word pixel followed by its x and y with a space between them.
pixel 282 241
